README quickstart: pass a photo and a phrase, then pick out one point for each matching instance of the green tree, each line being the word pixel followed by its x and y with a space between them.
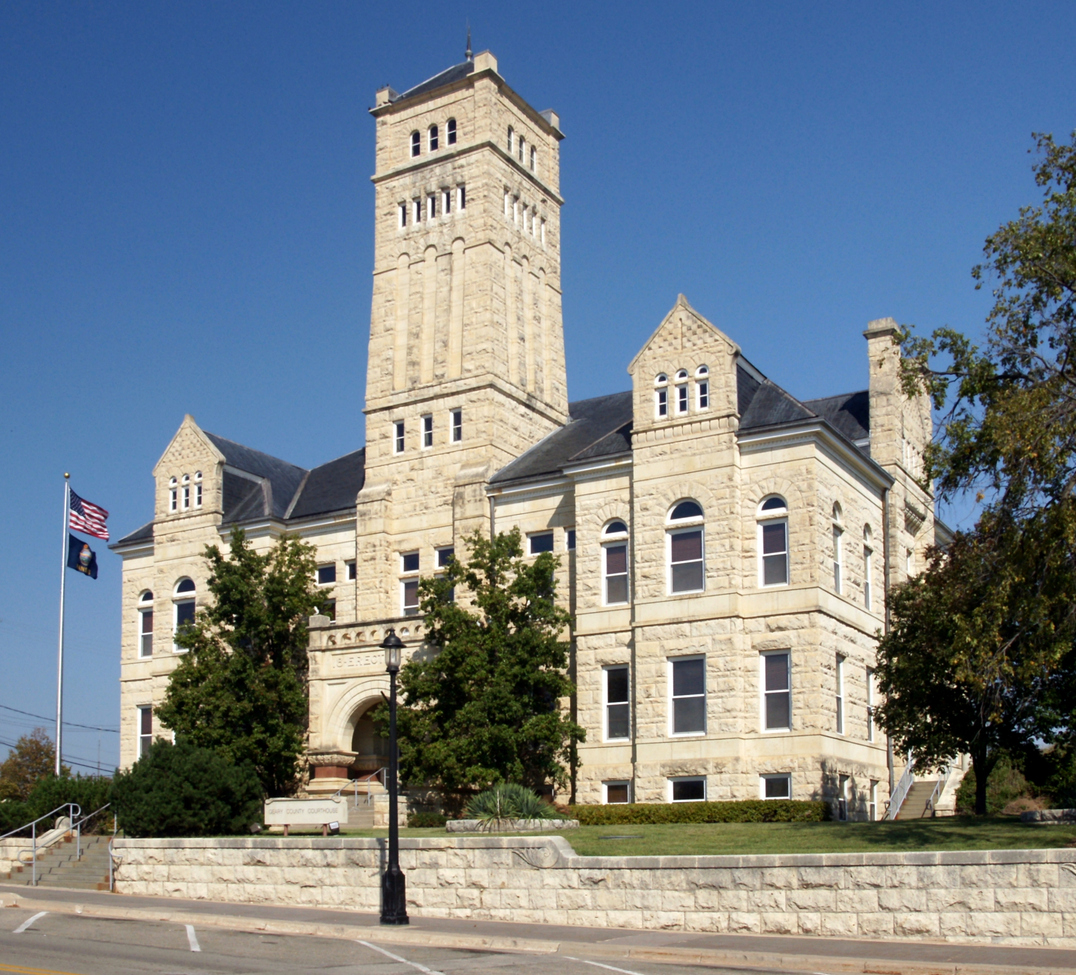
pixel 242 688
pixel 32 759
pixel 483 705
pixel 980 652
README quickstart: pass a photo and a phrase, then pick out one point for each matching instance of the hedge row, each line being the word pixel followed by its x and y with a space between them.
pixel 743 811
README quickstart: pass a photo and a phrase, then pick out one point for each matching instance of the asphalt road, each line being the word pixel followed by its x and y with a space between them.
pixel 45 943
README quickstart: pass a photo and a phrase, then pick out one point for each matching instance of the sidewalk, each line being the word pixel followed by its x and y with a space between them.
pixel 819 955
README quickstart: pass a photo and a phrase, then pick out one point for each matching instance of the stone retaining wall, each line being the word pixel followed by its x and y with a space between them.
pixel 1016 896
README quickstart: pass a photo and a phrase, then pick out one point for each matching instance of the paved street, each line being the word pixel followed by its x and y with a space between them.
pixel 39 943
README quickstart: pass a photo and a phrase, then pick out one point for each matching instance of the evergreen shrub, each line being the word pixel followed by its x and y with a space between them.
pixel 182 790
pixel 426 820
pixel 743 811
pixel 89 792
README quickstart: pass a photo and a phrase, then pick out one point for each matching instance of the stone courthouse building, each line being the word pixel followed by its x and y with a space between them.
pixel 725 548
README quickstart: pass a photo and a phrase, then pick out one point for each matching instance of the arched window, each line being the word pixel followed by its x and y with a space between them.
pixel 534 158
pixel 684 546
pixel 522 147
pixel 773 541
pixel 173 495
pixel 702 388
pixel 511 136
pixel 145 624
pixel 615 563
pixel 450 130
pixel 868 566
pixel 661 396
pixel 681 391
pixel 182 607
pixel 198 489
pixel 186 491
pixel 838 532
pixel 416 143
pixel 433 138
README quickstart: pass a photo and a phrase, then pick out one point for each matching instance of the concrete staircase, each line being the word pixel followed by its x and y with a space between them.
pixel 61 868
pixel 915 802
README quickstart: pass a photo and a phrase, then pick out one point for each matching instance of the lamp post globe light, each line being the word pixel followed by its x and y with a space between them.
pixel 393 887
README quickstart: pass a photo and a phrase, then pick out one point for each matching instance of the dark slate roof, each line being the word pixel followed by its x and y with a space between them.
pixel 849 413
pixel 332 486
pixel 456 73
pixel 597 427
pixel 143 534
pixel 283 479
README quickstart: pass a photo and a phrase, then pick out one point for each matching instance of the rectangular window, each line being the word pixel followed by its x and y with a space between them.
pixel 617 792
pixel 507 209
pixel 868 558
pixel 145 730
pixel 569 539
pixel 685 561
pixel 540 542
pixel 427 431
pixel 703 394
pixel 909 562
pixel 543 231
pixel 872 807
pixel 444 556
pixel 457 426
pixel 870 704
pixel 839 677
pixel 416 210
pixel 681 399
pixel 409 561
pixel 403 215
pixel 145 632
pixel 431 207
pixel 198 494
pixel 837 533
pixel 350 569
pixel 410 597
pixel 515 210
pixel 777 692
pixel 398 437
pixel 843 798
pixel 774 553
pixel 687 678
pixel 661 401
pixel 328 608
pixel 326 574
pixel 688 790
pixel 186 496
pixel 446 202
pixel 776 786
pixel 616 573
pixel 461 197
pixel 617 708
pixel 184 612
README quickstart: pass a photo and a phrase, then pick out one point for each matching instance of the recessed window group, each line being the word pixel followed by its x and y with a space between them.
pixel 427 207
pixel 524 215
pixel 185 492
pixel 427 428
pixel 433 138
pixel 677 396
pixel 525 152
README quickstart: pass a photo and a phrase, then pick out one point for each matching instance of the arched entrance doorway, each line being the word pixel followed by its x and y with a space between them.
pixel 370 747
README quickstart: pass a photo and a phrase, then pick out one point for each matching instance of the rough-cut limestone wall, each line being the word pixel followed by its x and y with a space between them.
pixel 1012 896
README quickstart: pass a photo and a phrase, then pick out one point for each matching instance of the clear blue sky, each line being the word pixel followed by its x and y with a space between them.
pixel 186 219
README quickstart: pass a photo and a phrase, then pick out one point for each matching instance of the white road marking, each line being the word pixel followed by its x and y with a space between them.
pixel 193 938
pixel 403 961
pixel 25 924
pixel 598 964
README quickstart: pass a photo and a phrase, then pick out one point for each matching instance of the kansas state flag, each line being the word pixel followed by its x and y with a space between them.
pixel 81 557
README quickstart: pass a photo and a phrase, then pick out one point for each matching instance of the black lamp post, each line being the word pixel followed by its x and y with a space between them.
pixel 393 889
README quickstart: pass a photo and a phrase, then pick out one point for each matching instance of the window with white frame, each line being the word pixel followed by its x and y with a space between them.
pixel 198 489
pixel 702 388
pixel 461 197
pixel 540 542
pixel 775 786
pixel 534 158
pixel 145 729
pixel 183 597
pixel 450 131
pixel 868 567
pixel 433 139
pixel 398 437
pixel 427 431
pixel 186 482
pixel 409 563
pixel 838 676
pixel 173 495
pixel 773 541
pixel 844 797
pixel 687 695
pixel 444 558
pixel 511 138
pixel 661 396
pixel 416 144
pixel 327 574
pixel 615 563
pixel 416 210
pixel 684 533
pixel 431 207
pixel 687 788
pixel 872 806
pixel 838 532
pixel 870 704
pixel 776 690
pixel 145 624
pixel 617 792
pixel 446 201
pixel 457 426
pixel 522 147
pixel 617 704
pixel 351 570
pixel 681 391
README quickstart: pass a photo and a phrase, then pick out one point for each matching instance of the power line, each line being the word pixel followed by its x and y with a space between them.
pixel 71 724
pixel 67 761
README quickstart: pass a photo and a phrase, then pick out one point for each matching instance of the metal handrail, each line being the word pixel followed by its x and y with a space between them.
pixel 900 790
pixel 78 829
pixel 73 810
pixel 354 786
pixel 111 868
pixel 939 788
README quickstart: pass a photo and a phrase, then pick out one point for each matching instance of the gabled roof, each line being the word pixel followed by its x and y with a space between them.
pixel 849 413
pixel 597 427
pixel 456 73
pixel 283 478
pixel 332 486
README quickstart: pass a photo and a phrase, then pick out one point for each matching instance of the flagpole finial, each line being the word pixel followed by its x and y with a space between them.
pixel 467 54
pixel 66 476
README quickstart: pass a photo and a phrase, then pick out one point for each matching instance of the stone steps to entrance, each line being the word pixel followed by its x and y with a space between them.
pixel 915 802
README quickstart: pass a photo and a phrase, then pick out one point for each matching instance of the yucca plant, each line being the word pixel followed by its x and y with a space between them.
pixel 507 801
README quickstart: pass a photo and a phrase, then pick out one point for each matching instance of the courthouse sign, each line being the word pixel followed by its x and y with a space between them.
pixel 306 812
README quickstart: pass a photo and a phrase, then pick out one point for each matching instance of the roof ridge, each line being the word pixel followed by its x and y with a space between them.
pixel 854 392
pixel 254 450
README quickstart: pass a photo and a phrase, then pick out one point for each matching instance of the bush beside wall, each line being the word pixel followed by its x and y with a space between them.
pixel 744 811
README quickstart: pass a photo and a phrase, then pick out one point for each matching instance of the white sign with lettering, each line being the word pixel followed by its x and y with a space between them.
pixel 305 812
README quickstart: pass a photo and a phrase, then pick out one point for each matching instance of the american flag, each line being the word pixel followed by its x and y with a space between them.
pixel 88 518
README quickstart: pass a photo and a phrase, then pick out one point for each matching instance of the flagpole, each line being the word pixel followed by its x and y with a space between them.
pixel 60 660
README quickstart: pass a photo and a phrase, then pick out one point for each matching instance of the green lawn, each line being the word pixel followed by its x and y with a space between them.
pixel 957 833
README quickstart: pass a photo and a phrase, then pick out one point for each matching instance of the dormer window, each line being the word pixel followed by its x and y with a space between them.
pixel 450 131
pixel 702 387
pixel 433 138
pixel 416 144
pixel 661 396
pixel 198 489
pixel 173 495
pixel 186 491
